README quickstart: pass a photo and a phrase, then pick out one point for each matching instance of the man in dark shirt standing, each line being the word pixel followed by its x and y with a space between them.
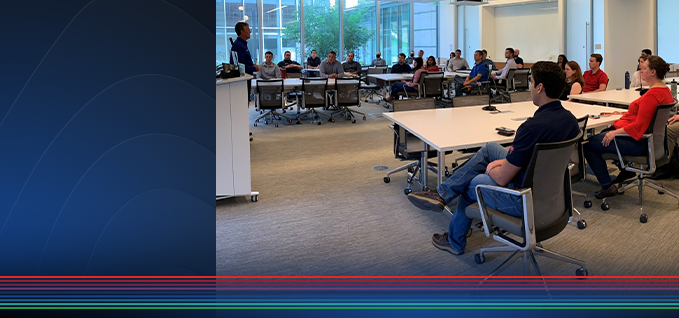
pixel 401 67
pixel 240 46
pixel 288 65
pixel 495 165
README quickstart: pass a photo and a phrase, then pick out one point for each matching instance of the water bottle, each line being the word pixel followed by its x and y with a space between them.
pixel 627 80
pixel 674 88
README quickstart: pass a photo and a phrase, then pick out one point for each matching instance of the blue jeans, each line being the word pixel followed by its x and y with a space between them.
pixel 458 85
pixel 463 184
pixel 594 149
pixel 400 87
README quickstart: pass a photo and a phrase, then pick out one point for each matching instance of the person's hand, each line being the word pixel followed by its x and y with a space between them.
pixel 608 138
pixel 672 120
pixel 257 67
pixel 493 165
pixel 466 83
pixel 332 76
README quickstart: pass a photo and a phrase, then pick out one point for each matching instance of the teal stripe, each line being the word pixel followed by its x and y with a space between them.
pixel 339 304
pixel 327 308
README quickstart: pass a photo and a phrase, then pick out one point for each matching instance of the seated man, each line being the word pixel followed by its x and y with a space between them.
pixel 313 62
pixel 510 65
pixel 331 67
pixel 479 74
pixel 518 59
pixel 288 65
pixel 488 61
pixel 401 67
pixel 596 79
pixel 268 70
pixel 495 165
pixel 378 61
pixel 456 62
pixel 411 59
pixel 350 66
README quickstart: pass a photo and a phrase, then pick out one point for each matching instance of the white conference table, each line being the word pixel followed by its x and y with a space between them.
pixel 616 97
pixel 449 129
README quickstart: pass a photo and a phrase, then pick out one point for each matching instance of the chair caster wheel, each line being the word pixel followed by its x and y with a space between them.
pixel 621 192
pixel 660 192
pixel 407 191
pixel 319 122
pixel 581 272
pixel 255 124
pixel 254 198
pixel 582 224
pixel 387 179
pixel 331 120
pixel 284 111
pixel 276 125
pixel 363 117
pixel 447 173
pixel 454 165
pixel 605 206
pixel 411 170
pixel 298 122
pixel 643 218
pixel 588 204
pixel 261 112
pixel 353 121
pixel 289 121
pixel 266 122
pixel 479 258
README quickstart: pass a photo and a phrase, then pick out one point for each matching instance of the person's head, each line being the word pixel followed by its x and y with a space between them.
pixel 243 30
pixel 332 56
pixel 378 55
pixel 418 64
pixel 412 53
pixel 516 52
pixel 287 55
pixel 562 60
pixel 452 55
pixel 478 56
pixel 547 82
pixel 401 58
pixel 654 69
pixel 574 73
pixel 484 53
pixel 458 53
pixel 350 57
pixel 642 58
pixel 509 53
pixel 646 52
pixel 314 53
pixel 431 61
pixel 420 53
pixel 595 61
pixel 268 56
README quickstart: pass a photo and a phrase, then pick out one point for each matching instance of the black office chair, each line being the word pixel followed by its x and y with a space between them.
pixel 271 96
pixel 369 84
pixel 578 169
pixel 658 155
pixel 547 209
pixel 418 86
pixel 503 88
pixel 521 81
pixel 432 86
pixel 314 96
pixel 346 94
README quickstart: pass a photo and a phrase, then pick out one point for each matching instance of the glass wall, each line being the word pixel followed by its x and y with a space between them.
pixel 395 26
pixel 426 24
pixel 230 12
pixel 668 46
pixel 360 25
pixel 276 16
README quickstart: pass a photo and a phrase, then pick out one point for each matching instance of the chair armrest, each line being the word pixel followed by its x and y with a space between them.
pixel 528 220
pixel 651 152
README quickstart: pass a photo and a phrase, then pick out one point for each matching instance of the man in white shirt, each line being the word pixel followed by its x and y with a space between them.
pixel 269 70
pixel 510 65
pixel 457 62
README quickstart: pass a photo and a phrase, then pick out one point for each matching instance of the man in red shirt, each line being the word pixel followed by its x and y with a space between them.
pixel 596 80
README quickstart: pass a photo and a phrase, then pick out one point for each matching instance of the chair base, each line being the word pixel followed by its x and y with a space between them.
pixel 412 176
pixel 273 116
pixel 639 182
pixel 315 116
pixel 528 256
pixel 347 113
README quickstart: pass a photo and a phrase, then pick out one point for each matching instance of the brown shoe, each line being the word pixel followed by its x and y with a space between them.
pixel 611 191
pixel 427 200
pixel 441 242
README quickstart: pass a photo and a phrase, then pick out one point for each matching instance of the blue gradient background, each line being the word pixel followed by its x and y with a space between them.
pixel 107 138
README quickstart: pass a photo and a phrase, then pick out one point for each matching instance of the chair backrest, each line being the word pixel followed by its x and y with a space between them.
pixel 520 97
pixel 577 172
pixel 377 70
pixel 347 91
pixel 293 75
pixel 314 92
pixel 658 127
pixel 433 84
pixel 470 100
pixel 521 79
pixel 509 81
pixel 548 177
pixel 413 104
pixel 270 94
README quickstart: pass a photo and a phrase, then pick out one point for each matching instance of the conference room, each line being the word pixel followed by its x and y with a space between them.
pixel 328 136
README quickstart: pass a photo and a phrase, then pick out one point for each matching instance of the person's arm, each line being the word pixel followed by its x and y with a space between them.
pixel 576 89
pixel 298 66
pixel 503 73
pixel 645 114
pixel 323 68
pixel 503 172
pixel 603 81
pixel 466 65
pixel 277 72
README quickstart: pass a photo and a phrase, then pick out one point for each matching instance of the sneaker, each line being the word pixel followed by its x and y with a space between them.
pixel 427 200
pixel 440 241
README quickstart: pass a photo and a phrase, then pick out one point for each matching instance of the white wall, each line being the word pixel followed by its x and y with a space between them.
pixel 629 27
pixel 487 34
pixel 447 29
pixel 533 28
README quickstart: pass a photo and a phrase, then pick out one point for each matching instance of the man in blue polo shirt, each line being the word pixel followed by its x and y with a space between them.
pixel 495 165
pixel 479 74
pixel 240 46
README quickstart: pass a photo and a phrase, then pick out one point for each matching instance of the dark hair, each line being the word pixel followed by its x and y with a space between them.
pixel 647 51
pixel 643 57
pixel 314 51
pixel 420 51
pixel 565 61
pixel 402 54
pixel 659 65
pixel 286 52
pixel 578 72
pixel 419 62
pixel 484 51
pixel 333 53
pixel 268 52
pixel 352 53
pixel 240 26
pixel 598 57
pixel 458 50
pixel 510 50
pixel 431 57
pixel 551 76
pixel 479 51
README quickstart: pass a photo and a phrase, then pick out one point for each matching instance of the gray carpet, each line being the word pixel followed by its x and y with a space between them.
pixel 323 211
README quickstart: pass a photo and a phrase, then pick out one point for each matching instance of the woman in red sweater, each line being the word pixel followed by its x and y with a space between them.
pixel 431 65
pixel 634 122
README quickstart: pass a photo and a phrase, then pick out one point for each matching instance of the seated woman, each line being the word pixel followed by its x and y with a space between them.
pixel 574 80
pixel 431 65
pixel 634 122
pixel 562 61
pixel 404 86
pixel 636 80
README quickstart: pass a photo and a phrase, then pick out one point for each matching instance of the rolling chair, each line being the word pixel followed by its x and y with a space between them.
pixel 346 94
pixel 520 81
pixel 502 90
pixel 432 86
pixel 370 85
pixel 418 86
pixel 547 209
pixel 578 169
pixel 658 155
pixel 271 96
pixel 313 96
pixel 293 94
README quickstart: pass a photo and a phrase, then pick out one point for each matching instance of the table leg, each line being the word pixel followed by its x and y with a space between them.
pixel 442 167
pixel 424 166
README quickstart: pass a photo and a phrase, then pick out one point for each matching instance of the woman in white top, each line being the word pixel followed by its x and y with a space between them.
pixel 636 77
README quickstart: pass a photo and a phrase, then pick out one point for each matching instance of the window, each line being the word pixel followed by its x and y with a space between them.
pixel 668 48
pixel 426 25
pixel 230 12
pixel 395 26
pixel 360 25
